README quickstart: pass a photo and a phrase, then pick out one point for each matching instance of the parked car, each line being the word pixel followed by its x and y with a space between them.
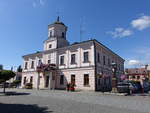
pixel 126 87
pixel 146 86
pixel 138 87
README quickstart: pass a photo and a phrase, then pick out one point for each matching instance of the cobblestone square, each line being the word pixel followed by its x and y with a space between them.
pixel 46 101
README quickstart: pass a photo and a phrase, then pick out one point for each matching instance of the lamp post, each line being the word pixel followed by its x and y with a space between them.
pixel 114 78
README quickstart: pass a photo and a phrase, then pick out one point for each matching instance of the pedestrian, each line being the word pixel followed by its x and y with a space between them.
pixel 68 86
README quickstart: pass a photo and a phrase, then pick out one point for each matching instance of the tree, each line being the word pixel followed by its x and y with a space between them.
pixel 6 75
pixel 1 67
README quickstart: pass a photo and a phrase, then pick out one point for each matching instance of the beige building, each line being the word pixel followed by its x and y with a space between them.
pixel 85 63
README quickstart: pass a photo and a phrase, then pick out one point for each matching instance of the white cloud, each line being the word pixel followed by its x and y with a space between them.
pixel 41 2
pixel 120 32
pixel 34 4
pixel 133 62
pixel 38 3
pixel 141 57
pixel 141 23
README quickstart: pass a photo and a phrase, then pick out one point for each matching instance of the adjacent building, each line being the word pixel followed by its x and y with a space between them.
pixel 86 64
pixel 137 73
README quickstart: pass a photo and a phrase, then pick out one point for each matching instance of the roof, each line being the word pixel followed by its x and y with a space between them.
pixel 57 22
pixel 75 44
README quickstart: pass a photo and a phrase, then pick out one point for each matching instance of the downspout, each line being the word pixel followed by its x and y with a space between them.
pixel 95 65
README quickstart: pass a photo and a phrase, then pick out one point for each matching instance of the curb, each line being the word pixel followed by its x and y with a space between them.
pixel 117 94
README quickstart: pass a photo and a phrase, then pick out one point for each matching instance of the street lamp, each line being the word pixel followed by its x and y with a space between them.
pixel 114 78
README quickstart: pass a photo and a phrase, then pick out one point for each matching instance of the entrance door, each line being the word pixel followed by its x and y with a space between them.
pixel 47 82
pixel 73 79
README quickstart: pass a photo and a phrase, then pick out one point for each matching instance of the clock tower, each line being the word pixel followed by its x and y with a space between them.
pixel 56 35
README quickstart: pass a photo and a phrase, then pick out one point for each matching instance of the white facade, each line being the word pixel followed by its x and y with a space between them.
pixel 80 60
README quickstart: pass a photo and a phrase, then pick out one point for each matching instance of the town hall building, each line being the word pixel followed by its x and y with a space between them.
pixel 87 64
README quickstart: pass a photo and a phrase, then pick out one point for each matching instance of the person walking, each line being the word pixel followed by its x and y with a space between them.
pixel 68 87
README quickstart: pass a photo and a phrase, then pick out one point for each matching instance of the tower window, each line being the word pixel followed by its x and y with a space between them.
pixel 50 33
pixel 63 34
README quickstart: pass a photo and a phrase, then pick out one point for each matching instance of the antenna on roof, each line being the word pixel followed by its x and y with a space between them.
pixel 81 29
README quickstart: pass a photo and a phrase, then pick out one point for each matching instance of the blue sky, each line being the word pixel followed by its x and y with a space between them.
pixel 122 25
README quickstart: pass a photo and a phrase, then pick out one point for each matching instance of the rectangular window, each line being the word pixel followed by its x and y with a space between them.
pixel 39 62
pixel 32 64
pixel 31 79
pixel 104 60
pixel 108 62
pixel 26 65
pixel 50 33
pixel 61 60
pixel 61 79
pixel 98 57
pixel 49 61
pixel 86 79
pixel 73 59
pixel 86 57
pixel 50 45
pixel 24 80
pixel 73 79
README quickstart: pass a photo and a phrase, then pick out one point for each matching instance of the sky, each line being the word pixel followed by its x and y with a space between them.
pixel 121 25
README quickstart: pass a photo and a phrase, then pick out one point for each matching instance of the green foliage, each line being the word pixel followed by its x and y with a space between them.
pixel 16 82
pixel 1 67
pixel 114 78
pixel 133 81
pixel 6 75
pixel 28 86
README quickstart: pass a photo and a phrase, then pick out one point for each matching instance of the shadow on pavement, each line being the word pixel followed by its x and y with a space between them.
pixel 14 93
pixel 21 108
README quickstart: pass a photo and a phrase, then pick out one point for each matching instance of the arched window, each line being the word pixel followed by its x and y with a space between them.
pixel 50 33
